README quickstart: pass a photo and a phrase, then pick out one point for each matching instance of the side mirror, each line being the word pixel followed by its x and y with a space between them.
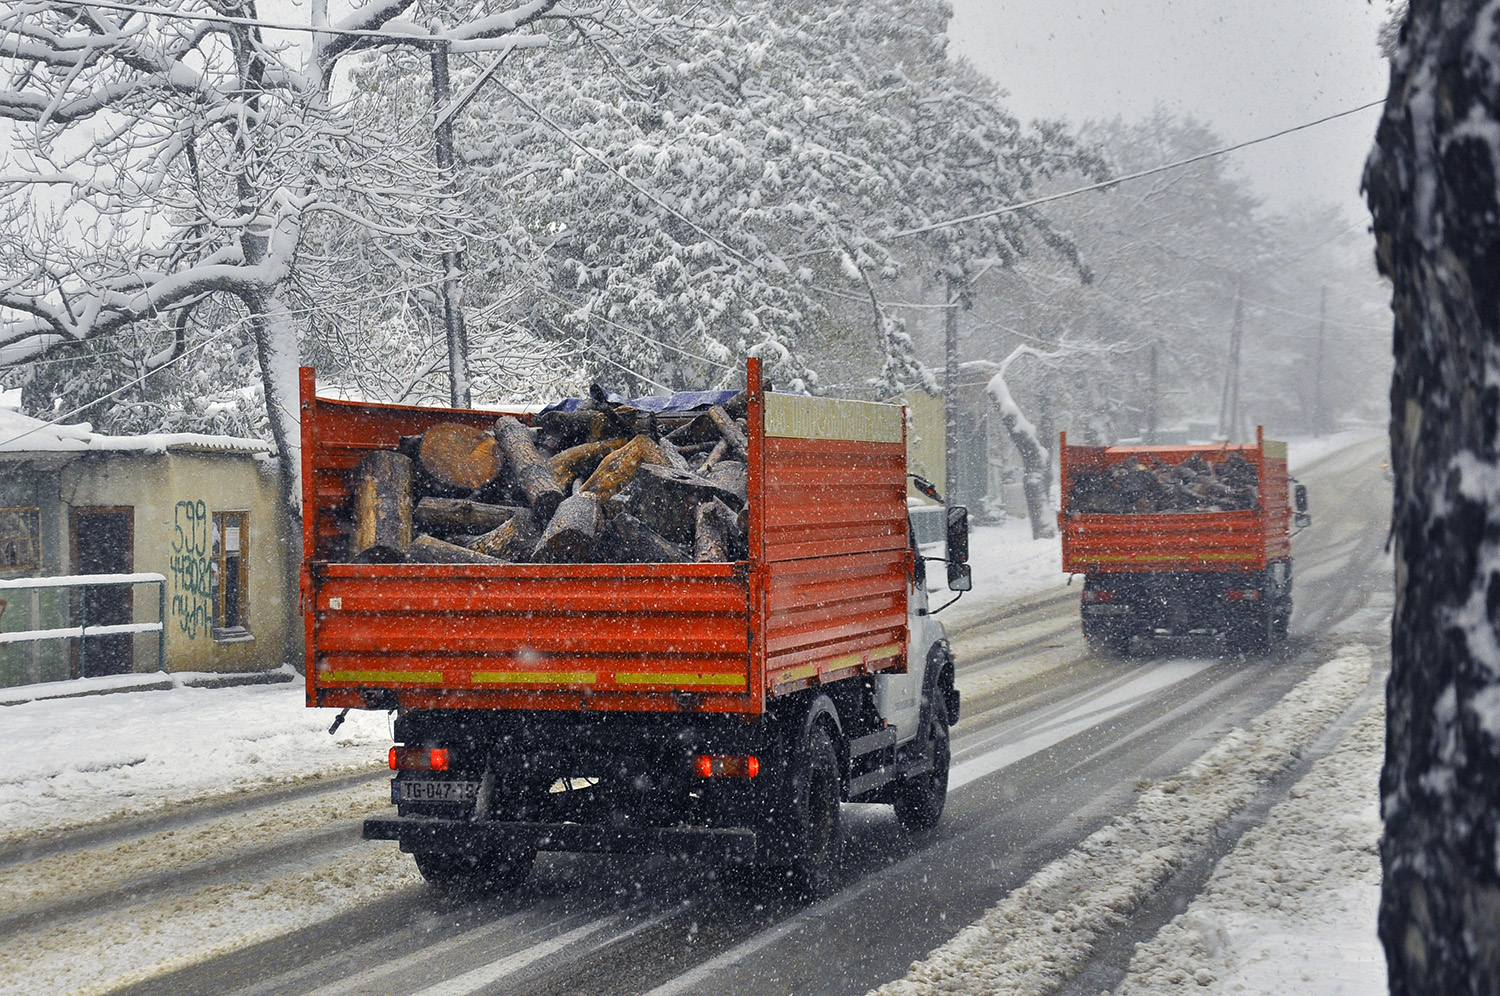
pixel 1301 520
pixel 958 535
pixel 1299 498
pixel 960 577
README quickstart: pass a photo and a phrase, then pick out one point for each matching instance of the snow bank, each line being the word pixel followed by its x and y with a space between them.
pixel 80 761
pixel 1007 564
pixel 1044 931
pixel 1292 909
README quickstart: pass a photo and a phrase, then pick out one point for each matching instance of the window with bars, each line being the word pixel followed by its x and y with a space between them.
pixel 20 543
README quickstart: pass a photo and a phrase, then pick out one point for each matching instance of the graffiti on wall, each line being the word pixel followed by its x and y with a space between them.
pixel 192 599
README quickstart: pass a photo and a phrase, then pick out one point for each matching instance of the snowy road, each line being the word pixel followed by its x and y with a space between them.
pixel 1056 758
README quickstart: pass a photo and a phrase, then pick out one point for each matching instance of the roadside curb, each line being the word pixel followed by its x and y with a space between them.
pixel 21 695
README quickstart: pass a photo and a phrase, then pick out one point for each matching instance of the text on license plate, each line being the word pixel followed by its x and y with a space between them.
pixel 415 791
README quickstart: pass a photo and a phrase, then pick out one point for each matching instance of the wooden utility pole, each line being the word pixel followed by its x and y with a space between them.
pixel 1229 405
pixel 453 316
pixel 1320 420
pixel 1152 398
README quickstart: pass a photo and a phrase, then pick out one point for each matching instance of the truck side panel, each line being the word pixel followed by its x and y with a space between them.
pixel 834 550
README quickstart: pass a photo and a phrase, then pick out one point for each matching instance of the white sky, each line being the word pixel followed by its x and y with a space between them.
pixel 1247 67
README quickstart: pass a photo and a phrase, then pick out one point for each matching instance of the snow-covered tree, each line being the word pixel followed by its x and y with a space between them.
pixel 163 158
pixel 1431 181
pixel 732 180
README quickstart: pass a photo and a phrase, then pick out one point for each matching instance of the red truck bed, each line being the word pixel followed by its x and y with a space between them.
pixel 821 597
pixel 1181 541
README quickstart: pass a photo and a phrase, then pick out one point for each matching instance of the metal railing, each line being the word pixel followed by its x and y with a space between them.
pixel 83 629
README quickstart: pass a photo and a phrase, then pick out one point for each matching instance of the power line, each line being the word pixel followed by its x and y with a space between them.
pixel 1021 206
pixel 393 37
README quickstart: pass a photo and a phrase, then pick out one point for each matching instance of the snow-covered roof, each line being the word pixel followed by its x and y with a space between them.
pixel 23 436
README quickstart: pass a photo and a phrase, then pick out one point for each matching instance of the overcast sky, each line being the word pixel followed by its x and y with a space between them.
pixel 1247 67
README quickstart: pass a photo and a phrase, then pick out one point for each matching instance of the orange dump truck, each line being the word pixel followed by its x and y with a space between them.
pixel 1180 540
pixel 718 709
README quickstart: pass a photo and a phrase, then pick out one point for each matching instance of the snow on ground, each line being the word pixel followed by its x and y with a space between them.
pixel 1292 908
pixel 73 762
pixel 1044 931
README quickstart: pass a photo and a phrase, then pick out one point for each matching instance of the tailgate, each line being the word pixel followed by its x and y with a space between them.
pixel 554 636
pixel 1192 541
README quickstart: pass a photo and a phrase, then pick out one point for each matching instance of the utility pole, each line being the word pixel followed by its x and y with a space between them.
pixel 453 316
pixel 1229 406
pixel 1152 396
pixel 1320 421
pixel 950 398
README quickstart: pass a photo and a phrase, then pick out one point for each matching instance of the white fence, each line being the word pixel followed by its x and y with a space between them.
pixel 83 629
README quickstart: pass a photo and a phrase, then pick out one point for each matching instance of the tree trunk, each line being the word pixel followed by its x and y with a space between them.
pixel 1034 458
pixel 532 474
pixel 382 507
pixel 460 515
pixel 570 535
pixel 1431 184
pixel 459 456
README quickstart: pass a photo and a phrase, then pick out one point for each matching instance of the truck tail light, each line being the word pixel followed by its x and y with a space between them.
pixel 720 766
pixel 1241 594
pixel 1098 596
pixel 419 759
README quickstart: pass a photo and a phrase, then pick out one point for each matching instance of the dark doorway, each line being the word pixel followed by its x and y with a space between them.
pixel 103 542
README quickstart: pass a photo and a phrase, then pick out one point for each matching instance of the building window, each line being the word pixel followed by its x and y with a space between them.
pixel 20 549
pixel 229 575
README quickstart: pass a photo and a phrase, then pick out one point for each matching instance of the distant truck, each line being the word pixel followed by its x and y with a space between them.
pixel 1179 540
pixel 721 709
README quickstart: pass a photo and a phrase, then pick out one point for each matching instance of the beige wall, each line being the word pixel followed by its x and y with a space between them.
pixel 925 452
pixel 174 496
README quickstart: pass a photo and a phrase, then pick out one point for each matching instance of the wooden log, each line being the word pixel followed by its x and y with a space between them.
pixel 410 446
pixel 631 541
pixel 382 495
pixel 713 525
pixel 512 541
pixel 739 405
pixel 570 536
pixel 581 461
pixel 459 456
pixel 528 470
pixel 427 549
pixel 616 470
pixel 732 476
pixel 445 516
pixel 700 429
pixel 665 499
pixel 674 457
pixel 719 452
pixel 731 431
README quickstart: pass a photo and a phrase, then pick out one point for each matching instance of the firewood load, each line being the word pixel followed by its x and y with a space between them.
pixel 1145 486
pixel 598 481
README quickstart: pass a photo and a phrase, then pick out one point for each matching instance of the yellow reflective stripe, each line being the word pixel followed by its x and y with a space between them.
pixel 535 677
pixel 678 678
pixel 376 676
pixel 838 663
pixel 1117 558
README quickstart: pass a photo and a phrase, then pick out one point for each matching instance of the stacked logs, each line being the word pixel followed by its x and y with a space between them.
pixel 603 483
pixel 1145 485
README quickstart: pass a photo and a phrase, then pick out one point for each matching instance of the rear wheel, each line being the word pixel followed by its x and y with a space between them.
pixel 820 828
pixel 1256 633
pixel 919 800
pixel 474 874
pixel 1106 640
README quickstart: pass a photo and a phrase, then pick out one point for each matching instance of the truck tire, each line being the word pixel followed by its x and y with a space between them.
pixel 819 824
pixel 919 800
pixel 1105 640
pixel 1255 634
pixel 470 874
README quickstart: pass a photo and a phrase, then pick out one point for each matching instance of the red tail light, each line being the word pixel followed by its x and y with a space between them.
pixel 419 759
pixel 720 766
pixel 1098 596
pixel 1237 594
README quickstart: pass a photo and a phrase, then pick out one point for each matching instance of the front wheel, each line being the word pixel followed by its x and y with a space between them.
pixel 474 874
pixel 919 799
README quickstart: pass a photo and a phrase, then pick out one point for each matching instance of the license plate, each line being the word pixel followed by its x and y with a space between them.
pixel 415 791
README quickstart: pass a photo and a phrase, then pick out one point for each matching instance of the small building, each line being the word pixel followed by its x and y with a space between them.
pixel 202 511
